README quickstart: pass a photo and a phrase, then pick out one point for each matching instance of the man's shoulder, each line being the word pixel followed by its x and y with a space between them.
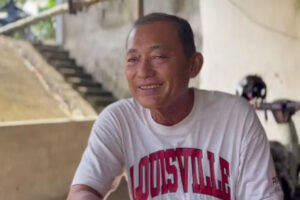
pixel 221 100
pixel 219 96
pixel 118 113
pixel 122 107
pixel 121 103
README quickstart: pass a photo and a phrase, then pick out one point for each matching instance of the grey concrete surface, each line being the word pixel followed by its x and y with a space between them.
pixel 38 159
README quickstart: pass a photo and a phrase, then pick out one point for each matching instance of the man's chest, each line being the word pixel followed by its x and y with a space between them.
pixel 201 162
pixel 180 171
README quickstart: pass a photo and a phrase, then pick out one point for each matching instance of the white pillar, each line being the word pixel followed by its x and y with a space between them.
pixel 59 26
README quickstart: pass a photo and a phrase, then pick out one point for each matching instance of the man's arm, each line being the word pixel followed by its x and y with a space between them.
pixel 102 162
pixel 257 176
pixel 83 192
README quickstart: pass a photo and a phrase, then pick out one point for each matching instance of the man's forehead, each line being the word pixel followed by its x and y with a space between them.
pixel 153 36
pixel 153 23
pixel 151 29
pixel 153 47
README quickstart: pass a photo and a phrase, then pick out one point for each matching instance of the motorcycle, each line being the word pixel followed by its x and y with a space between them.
pixel 286 152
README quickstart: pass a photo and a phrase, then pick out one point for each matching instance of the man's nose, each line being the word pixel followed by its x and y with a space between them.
pixel 145 69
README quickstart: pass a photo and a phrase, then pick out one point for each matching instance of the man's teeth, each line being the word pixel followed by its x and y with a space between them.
pixel 149 86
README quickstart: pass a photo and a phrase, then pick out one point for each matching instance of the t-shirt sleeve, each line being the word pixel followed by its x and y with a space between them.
pixel 257 177
pixel 101 165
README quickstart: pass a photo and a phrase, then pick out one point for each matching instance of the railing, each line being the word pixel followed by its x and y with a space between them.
pixel 72 6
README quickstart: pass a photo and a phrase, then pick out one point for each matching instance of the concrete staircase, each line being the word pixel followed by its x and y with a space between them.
pixel 75 75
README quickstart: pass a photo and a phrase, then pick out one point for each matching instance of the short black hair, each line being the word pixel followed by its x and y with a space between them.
pixel 181 25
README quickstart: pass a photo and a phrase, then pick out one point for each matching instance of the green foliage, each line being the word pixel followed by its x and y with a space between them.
pixel 51 3
pixel 20 2
pixel 17 35
pixel 45 30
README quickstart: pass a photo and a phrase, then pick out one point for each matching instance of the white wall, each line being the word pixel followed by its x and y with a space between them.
pixel 240 37
pixel 96 39
pixel 252 37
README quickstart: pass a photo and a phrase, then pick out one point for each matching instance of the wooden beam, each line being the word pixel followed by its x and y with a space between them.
pixel 58 10
pixel 140 8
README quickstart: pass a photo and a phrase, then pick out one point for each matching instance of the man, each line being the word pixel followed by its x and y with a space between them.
pixel 172 141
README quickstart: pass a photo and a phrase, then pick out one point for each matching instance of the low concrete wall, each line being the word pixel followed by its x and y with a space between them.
pixel 38 159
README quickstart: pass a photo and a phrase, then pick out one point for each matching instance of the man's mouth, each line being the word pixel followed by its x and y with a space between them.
pixel 149 87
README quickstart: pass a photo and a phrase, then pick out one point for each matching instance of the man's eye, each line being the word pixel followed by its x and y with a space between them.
pixel 159 57
pixel 134 59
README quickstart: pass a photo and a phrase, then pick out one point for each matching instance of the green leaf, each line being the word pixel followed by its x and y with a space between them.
pixel 51 3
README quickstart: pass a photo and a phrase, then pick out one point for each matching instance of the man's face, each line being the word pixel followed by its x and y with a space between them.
pixel 157 69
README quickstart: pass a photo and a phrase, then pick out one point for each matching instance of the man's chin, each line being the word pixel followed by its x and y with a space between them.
pixel 149 103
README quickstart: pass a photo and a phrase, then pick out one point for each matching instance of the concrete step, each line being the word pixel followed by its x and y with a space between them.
pixel 46 46
pixel 59 53
pixel 81 81
pixel 69 67
pixel 81 75
pixel 90 92
pixel 77 80
pixel 69 70
pixel 101 101
pixel 94 99
pixel 102 106
pixel 56 56
pixel 99 109
pixel 87 83
pixel 50 48
pixel 58 63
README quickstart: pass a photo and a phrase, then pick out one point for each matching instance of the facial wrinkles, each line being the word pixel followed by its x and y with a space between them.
pixel 141 46
pixel 139 42
pixel 155 56
pixel 152 49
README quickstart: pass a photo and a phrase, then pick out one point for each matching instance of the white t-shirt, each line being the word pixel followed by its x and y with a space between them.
pixel 219 151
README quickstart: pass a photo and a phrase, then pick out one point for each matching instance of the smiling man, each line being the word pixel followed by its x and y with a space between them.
pixel 171 141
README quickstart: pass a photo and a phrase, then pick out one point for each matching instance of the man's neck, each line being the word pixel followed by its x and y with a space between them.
pixel 176 112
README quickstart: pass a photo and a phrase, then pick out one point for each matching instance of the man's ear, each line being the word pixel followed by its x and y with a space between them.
pixel 196 64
